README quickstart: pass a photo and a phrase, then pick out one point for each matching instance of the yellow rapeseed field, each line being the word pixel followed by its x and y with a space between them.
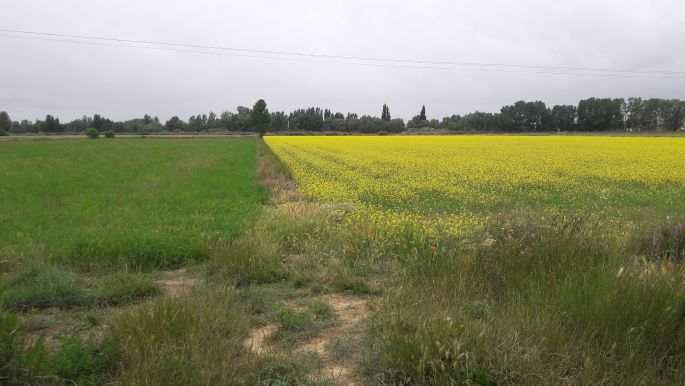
pixel 459 176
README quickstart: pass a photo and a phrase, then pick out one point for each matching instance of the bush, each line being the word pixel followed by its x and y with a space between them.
pixel 3 133
pixel 109 134
pixel 92 133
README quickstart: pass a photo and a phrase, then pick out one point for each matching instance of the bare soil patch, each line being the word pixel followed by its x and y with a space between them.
pixel 350 311
pixel 175 283
pixel 256 339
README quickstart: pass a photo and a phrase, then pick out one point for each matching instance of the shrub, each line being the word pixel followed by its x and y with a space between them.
pixel 92 133
pixel 109 134
pixel 3 133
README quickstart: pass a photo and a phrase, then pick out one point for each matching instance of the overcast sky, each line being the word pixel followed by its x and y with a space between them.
pixel 69 80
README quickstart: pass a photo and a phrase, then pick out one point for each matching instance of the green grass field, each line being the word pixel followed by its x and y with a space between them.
pixel 140 203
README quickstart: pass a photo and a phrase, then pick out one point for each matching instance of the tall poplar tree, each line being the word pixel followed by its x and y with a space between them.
pixel 385 115
pixel 260 117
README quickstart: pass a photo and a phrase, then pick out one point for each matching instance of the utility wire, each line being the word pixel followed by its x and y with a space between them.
pixel 349 60
pixel 362 58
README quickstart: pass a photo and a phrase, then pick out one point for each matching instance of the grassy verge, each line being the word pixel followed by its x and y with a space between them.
pixel 193 339
pixel 553 301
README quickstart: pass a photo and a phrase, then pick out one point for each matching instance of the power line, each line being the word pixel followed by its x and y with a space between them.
pixel 362 58
pixel 347 60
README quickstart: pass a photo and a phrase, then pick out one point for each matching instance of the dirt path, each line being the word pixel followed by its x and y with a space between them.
pixel 339 365
pixel 175 283
pixel 336 346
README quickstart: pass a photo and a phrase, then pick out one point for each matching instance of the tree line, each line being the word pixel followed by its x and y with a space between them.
pixel 592 114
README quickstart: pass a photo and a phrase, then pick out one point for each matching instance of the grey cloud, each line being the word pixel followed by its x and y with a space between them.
pixel 38 77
